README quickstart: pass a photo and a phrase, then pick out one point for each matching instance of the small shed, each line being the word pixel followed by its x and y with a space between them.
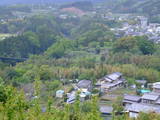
pixel 59 93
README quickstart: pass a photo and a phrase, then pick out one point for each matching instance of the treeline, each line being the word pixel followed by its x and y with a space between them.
pixel 51 70
pixel 143 61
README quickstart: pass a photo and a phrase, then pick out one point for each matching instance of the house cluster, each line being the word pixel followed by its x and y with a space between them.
pixel 140 28
pixel 110 82
pixel 84 87
pixel 148 102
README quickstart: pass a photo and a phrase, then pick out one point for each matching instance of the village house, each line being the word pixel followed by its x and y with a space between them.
pixel 85 85
pixel 110 86
pixel 135 108
pixel 111 81
pixel 60 93
pixel 130 99
pixel 84 96
pixel 116 76
pixel 156 87
pixel 150 98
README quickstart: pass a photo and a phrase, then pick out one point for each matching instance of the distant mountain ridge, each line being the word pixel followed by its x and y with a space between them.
pixel 150 7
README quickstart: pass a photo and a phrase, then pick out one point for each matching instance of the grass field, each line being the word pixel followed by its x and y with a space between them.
pixel 121 91
pixel 111 97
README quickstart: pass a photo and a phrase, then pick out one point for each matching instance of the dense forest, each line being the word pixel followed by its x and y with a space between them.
pixel 60 50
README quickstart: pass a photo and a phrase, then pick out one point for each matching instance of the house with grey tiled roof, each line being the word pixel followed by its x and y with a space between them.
pixel 113 77
pixel 111 81
pixel 85 84
pixel 156 87
pixel 130 99
pixel 136 108
pixel 150 98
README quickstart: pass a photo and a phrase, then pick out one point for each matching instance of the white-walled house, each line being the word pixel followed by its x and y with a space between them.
pixel 60 93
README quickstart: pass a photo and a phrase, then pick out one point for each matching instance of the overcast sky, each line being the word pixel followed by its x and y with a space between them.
pixel 38 1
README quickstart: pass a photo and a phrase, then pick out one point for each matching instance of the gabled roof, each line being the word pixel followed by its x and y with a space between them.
pixel 150 96
pixel 109 85
pixel 139 107
pixel 114 76
pixel 84 83
pixel 133 98
pixel 157 86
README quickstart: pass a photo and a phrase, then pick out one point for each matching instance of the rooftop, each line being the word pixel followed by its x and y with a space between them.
pixel 139 107
pixel 84 83
pixel 150 96
pixel 133 98
pixel 60 91
pixel 157 86
pixel 114 76
pixel 106 109
pixel 109 85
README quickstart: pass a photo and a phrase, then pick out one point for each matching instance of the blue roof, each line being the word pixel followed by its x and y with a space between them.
pixel 145 91
pixel 60 91
pixel 87 93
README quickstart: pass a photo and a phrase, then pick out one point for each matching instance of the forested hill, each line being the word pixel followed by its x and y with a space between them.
pixel 83 5
pixel 37 34
pixel 150 7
